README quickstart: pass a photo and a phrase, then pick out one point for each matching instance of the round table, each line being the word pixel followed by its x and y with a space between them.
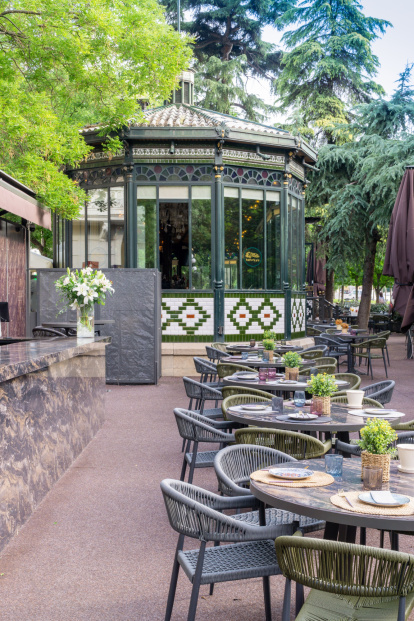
pixel 259 362
pixel 314 501
pixel 280 349
pixel 276 386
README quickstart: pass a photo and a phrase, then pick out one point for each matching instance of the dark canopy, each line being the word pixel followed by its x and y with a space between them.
pixel 399 255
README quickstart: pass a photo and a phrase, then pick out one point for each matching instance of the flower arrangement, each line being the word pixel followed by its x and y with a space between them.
pixel 84 287
pixel 338 322
pixel 81 290
pixel 322 385
pixel 377 437
pixel 344 327
pixel 291 359
pixel 268 344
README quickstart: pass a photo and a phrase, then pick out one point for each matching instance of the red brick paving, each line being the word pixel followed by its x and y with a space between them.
pixel 99 547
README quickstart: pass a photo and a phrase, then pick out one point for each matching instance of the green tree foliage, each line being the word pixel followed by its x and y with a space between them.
pixel 360 178
pixel 64 64
pixel 229 50
pixel 329 64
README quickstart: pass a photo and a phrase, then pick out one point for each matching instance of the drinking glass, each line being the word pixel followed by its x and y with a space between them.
pixel 333 465
pixel 271 374
pixel 371 478
pixel 262 374
pixel 252 342
pixel 299 398
pixel 245 355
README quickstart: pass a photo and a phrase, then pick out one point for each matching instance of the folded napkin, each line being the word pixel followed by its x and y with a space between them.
pixel 383 497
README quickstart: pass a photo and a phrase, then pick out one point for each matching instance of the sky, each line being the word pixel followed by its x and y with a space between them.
pixel 394 49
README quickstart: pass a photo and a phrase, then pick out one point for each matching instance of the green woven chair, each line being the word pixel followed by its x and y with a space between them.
pixel 228 368
pixel 239 399
pixel 313 331
pixel 348 582
pixel 385 335
pixel 229 391
pixel 220 346
pixel 409 426
pixel 365 401
pixel 367 350
pixel 295 444
pixel 326 368
pixel 333 331
pixel 312 354
pixel 319 362
pixel 353 380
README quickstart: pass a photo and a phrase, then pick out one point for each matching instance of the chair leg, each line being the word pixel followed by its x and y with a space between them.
pixel 388 355
pixel 300 597
pixel 382 539
pixel 174 578
pixel 401 609
pixel 193 462
pixel 286 601
pixel 184 468
pixel 196 583
pixel 216 543
pixel 266 593
pixel 370 365
pixel 385 363
pixel 363 536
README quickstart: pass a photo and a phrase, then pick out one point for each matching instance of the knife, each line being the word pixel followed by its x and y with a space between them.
pixel 348 501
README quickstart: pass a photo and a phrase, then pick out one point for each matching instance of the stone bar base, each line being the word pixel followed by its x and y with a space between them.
pixel 49 412
pixel 177 358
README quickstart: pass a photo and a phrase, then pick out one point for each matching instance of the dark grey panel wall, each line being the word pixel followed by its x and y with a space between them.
pixel 134 355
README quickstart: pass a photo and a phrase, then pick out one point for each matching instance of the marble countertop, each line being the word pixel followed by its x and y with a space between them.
pixel 29 356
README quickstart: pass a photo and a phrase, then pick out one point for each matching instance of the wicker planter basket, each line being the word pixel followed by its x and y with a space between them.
pixel 345 330
pixel 268 354
pixel 321 405
pixel 376 461
pixel 292 373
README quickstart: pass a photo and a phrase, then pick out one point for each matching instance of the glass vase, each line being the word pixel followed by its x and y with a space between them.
pixel 85 322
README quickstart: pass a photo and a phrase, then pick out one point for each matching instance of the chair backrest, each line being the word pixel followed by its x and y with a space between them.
pixel 228 368
pixel 228 391
pixel 312 331
pixel 343 448
pixel 370 344
pixel 326 368
pixel 219 346
pixel 338 567
pixel 41 332
pixel 407 437
pixel 234 465
pixel 295 444
pixel 197 428
pixel 380 391
pixel 216 354
pixel 240 399
pixel 200 392
pixel 383 335
pixel 365 401
pixel 312 353
pixel 331 331
pixel 323 361
pixel 204 367
pixel 353 380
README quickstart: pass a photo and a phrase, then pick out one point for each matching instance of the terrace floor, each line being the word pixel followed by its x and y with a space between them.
pixel 99 547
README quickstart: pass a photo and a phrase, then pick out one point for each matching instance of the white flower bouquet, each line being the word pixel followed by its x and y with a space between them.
pixel 81 290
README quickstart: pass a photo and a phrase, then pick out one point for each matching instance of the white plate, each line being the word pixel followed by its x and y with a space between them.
pixel 253 407
pixel 285 381
pixel 246 375
pixel 365 414
pixel 292 474
pixel 400 500
pixel 304 418
pixel 383 413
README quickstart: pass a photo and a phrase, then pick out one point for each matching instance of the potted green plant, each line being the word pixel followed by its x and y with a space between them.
pixel 322 387
pixel 269 346
pixel 269 334
pixel 376 443
pixel 292 361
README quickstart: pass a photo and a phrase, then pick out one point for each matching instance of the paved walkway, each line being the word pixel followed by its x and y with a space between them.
pixel 99 547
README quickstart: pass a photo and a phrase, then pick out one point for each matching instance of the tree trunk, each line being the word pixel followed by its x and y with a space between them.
pixel 342 295
pixel 356 290
pixel 367 281
pixel 329 292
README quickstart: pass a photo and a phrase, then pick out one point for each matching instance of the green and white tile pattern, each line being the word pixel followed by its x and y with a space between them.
pixel 248 315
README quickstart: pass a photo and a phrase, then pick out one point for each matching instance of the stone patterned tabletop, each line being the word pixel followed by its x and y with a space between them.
pixel 28 356
pixel 316 502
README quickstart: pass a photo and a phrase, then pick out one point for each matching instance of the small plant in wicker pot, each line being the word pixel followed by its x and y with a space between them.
pixel 376 443
pixel 269 346
pixel 322 387
pixel 292 360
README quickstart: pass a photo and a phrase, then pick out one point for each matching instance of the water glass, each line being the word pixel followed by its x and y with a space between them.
pixel 371 478
pixel 271 374
pixel 262 374
pixel 245 355
pixel 252 342
pixel 299 398
pixel 277 404
pixel 333 465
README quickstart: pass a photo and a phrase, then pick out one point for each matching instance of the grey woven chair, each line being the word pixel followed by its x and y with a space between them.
pixel 248 551
pixel 338 347
pixel 353 449
pixel 41 332
pixel 326 368
pixel 198 394
pixel 347 581
pixel 215 355
pixel 194 428
pixel 314 352
pixel 207 370
pixel 380 391
pixel 313 331
pixel 233 466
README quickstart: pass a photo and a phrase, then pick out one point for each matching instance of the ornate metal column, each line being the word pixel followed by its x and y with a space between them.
pixel 218 283
pixel 285 250
pixel 130 218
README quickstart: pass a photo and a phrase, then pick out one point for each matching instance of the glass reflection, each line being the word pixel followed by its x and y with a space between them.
pixel 98 228
pixel 201 243
pixel 252 244
pixel 231 242
pixel 273 240
pixel 117 222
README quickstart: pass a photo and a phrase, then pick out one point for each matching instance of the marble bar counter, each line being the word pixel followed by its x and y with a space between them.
pixel 51 405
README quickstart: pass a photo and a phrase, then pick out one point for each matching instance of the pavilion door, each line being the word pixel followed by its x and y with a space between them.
pixel 174 244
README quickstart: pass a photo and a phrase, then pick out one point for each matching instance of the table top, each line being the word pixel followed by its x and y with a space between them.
pixel 275 386
pixel 72 324
pixel 280 349
pixel 341 420
pixel 259 362
pixel 314 501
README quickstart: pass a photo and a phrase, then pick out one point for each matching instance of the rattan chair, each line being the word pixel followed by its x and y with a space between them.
pixel 228 391
pixel 220 346
pixel 198 394
pixel 365 401
pixel 295 444
pixel 367 349
pixel 228 368
pixel 248 550
pixel 233 466
pixel 194 428
pixel 240 399
pixel 347 581
pixel 408 426
pixel 313 331
pixel 314 352
pixel 353 380
pixel 41 332
pixel 380 391
pixel 323 361
pixel 338 348
pixel 326 368
pixel 215 355
pixel 354 449
pixel 207 370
